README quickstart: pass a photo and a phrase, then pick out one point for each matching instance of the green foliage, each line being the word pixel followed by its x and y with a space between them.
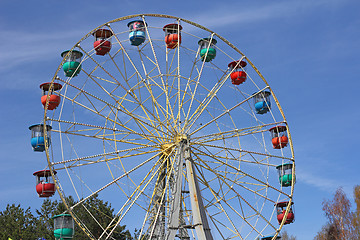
pixel 104 215
pixel 18 223
pixel 45 222
pixel 137 235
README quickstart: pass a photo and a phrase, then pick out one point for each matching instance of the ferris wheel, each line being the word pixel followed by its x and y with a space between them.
pixel 175 127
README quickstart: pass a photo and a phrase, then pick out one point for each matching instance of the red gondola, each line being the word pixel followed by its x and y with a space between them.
pixel 238 75
pixel 44 185
pixel 281 209
pixel 102 43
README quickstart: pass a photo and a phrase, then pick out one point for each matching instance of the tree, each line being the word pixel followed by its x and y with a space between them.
pixel 356 214
pixel 104 214
pixel 143 236
pixel 45 222
pixel 328 232
pixel 286 236
pixel 87 211
pixel 17 223
pixel 341 220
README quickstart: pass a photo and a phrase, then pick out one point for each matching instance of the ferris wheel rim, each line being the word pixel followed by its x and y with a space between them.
pixel 46 118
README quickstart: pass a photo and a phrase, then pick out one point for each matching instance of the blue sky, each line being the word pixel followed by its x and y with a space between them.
pixel 308 51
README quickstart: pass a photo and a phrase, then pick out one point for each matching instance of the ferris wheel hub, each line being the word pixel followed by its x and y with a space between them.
pixel 180 137
pixel 166 148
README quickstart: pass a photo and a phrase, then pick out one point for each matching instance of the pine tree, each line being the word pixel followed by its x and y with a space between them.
pixel 17 223
pixel 45 222
pixel 104 214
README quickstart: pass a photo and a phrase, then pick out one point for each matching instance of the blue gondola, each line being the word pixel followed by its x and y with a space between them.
pixel 262 102
pixel 270 238
pixel 137 33
pixel 37 137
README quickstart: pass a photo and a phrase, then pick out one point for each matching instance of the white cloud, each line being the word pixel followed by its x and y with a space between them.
pixel 241 14
pixel 323 183
pixel 25 47
pixel 34 45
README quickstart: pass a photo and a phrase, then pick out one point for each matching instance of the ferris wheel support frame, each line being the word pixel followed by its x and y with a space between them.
pixel 175 224
pixel 176 217
pixel 197 206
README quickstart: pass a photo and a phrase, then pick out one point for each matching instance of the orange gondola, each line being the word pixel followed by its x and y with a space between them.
pixel 54 98
pixel 172 35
